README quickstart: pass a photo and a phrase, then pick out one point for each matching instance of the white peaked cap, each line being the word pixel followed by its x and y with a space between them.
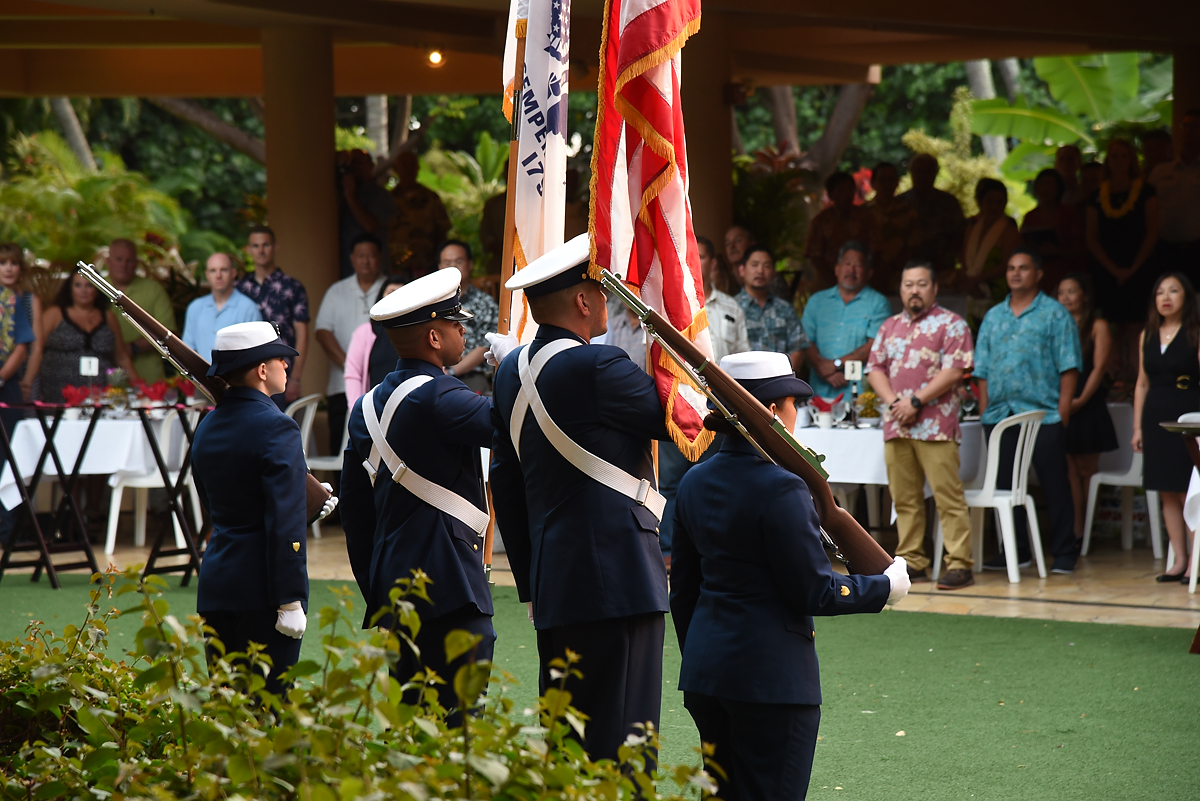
pixel 429 297
pixel 537 276
pixel 757 364
pixel 243 336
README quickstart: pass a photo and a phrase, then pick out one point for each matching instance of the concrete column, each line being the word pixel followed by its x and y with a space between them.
pixel 301 200
pixel 1186 89
pixel 706 70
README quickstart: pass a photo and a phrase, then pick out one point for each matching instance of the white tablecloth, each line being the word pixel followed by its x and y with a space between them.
pixel 855 455
pixel 117 447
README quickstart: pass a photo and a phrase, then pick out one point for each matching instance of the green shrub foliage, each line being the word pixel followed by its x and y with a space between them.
pixel 76 723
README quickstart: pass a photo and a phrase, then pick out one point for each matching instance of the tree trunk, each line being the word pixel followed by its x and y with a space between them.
pixel 824 155
pixel 377 124
pixel 783 112
pixel 73 131
pixel 214 126
pixel 979 79
pixel 1009 69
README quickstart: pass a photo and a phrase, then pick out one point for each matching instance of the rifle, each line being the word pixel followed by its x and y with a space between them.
pixel 766 432
pixel 191 365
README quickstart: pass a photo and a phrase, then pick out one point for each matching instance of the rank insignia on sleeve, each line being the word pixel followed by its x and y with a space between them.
pixel 296 547
pixel 845 590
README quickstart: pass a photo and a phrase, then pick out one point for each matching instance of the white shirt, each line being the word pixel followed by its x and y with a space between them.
pixel 1178 188
pixel 726 325
pixel 344 308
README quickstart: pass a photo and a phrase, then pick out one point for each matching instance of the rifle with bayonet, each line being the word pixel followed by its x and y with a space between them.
pixel 741 411
pixel 191 365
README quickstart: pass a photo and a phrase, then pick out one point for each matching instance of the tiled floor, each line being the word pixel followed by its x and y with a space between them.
pixel 1108 586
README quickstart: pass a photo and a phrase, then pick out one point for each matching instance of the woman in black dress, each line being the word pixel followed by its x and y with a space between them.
pixel 1090 431
pixel 1168 386
pixel 80 323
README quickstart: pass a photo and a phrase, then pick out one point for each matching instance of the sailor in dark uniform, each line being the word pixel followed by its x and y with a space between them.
pixel 412 480
pixel 748 574
pixel 573 486
pixel 250 473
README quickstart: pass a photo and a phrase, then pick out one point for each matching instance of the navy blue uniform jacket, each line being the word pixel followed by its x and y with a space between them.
pixel 250 473
pixel 437 431
pixel 579 550
pixel 748 572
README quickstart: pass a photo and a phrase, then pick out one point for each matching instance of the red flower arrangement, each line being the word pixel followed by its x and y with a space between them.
pixel 76 396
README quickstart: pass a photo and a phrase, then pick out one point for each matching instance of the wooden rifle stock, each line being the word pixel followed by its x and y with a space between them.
pixel 862 553
pixel 191 365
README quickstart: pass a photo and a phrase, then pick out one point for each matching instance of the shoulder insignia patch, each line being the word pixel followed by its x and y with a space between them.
pixel 296 548
pixel 845 590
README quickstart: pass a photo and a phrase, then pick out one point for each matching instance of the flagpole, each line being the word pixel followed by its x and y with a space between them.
pixel 506 259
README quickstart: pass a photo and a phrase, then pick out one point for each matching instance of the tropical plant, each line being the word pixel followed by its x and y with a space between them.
pixel 76 723
pixel 465 182
pixel 959 170
pixel 1094 99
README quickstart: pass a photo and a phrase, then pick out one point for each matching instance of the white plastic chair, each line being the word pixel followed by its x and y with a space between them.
pixel 304 412
pixel 329 464
pixel 172 442
pixel 1123 468
pixel 1004 501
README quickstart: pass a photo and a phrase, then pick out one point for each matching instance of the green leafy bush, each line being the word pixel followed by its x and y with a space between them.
pixel 76 723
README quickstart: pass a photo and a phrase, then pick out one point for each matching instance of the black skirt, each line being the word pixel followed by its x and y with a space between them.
pixel 1090 430
pixel 1167 467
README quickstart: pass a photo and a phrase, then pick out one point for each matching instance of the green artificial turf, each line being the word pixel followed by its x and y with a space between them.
pixel 990 708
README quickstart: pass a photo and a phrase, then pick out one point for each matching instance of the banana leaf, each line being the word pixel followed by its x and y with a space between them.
pixel 1022 121
pixel 1096 87
pixel 1028 159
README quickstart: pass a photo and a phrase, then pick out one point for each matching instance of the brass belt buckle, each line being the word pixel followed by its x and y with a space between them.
pixel 1183 382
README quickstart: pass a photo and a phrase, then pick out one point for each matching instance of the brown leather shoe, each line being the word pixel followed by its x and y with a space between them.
pixel 917 576
pixel 956 579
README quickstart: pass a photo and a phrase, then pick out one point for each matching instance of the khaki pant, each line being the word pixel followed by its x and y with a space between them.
pixel 909 463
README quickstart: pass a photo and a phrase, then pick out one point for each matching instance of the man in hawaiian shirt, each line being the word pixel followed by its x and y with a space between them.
pixel 771 323
pixel 472 370
pixel 281 300
pixel 1027 358
pixel 915 367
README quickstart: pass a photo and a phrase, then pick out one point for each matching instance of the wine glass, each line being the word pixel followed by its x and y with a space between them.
pixel 969 404
pixel 840 410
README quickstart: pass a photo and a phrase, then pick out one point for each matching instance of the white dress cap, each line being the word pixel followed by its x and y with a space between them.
pixel 757 364
pixel 429 297
pixel 571 255
pixel 243 336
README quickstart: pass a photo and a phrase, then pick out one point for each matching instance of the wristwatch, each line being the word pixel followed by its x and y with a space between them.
pixel 917 403
pixel 837 363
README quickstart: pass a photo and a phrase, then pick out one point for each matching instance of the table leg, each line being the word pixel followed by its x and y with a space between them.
pixel 173 489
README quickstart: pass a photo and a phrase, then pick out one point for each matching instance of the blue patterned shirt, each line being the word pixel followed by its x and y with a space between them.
pixel 836 327
pixel 15 328
pixel 281 299
pixel 1022 358
pixel 773 326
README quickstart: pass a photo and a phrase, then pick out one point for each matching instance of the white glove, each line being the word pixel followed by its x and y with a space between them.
pixel 330 504
pixel 898 575
pixel 501 346
pixel 292 620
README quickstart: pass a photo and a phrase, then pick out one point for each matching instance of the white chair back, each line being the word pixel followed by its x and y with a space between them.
pixel 1121 461
pixel 304 411
pixel 1029 423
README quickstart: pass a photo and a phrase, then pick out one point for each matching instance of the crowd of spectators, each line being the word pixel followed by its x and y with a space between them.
pixel 1098 277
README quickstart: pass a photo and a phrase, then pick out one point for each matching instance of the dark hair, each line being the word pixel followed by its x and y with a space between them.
pixel 460 243
pixel 260 229
pixel 1058 180
pixel 854 244
pixel 884 165
pixel 837 179
pixel 750 251
pixel 388 280
pixel 1033 255
pixel 1088 319
pixel 703 240
pixel 1135 170
pixel 63 299
pixel 919 264
pixel 364 237
pixel 1190 321
pixel 11 251
pixel 988 185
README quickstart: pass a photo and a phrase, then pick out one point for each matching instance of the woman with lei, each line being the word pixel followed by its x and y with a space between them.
pixel 1121 233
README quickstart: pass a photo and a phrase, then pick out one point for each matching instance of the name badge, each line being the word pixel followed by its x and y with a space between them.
pixel 89 365
pixel 853 371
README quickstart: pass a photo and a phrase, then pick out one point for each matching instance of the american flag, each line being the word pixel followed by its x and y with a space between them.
pixel 641 219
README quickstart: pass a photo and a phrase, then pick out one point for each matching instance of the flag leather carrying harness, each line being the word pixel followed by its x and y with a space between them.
pixel 637 489
pixel 433 494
